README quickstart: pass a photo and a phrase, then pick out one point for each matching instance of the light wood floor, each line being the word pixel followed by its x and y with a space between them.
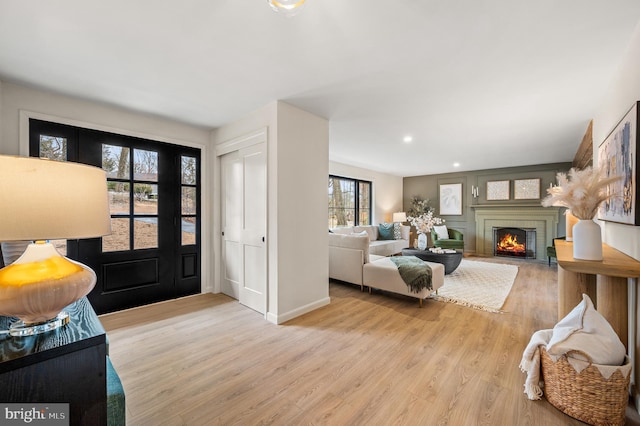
pixel 363 360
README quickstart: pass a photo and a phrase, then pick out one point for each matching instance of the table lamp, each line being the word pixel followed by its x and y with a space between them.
pixel 45 200
pixel 400 217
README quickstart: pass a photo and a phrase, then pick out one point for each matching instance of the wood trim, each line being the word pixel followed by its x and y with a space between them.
pixel 584 155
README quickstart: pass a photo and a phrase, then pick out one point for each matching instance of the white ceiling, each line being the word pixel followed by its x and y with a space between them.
pixel 486 83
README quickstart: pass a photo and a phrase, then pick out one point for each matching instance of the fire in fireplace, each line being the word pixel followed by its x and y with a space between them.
pixel 514 242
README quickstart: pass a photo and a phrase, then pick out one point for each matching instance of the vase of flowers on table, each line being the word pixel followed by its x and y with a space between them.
pixel 424 223
pixel 582 192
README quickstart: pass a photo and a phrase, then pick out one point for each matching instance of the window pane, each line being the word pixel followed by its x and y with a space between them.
pixel 343 208
pixel 341 202
pixel 364 218
pixel 145 165
pixel 115 161
pixel 145 233
pixel 188 230
pixel 364 202
pixel 118 197
pixel 189 169
pixel 119 238
pixel 145 198
pixel 53 148
pixel 188 200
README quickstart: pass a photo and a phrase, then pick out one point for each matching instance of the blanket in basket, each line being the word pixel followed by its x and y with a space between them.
pixel 583 329
pixel 414 272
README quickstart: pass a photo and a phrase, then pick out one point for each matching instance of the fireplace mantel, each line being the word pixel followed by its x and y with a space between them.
pixel 543 219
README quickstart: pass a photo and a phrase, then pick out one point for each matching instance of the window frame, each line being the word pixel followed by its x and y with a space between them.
pixel 357 207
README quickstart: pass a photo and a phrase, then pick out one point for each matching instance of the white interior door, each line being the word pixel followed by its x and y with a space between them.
pixel 231 217
pixel 244 254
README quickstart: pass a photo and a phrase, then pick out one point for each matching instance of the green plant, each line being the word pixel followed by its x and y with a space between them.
pixel 419 206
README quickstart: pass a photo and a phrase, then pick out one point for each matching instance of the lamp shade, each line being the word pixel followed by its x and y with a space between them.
pixel 46 200
pixel 400 217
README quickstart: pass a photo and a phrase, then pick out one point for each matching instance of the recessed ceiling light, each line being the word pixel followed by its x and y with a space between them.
pixel 407 139
pixel 456 164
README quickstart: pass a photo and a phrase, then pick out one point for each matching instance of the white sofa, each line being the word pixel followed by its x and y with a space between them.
pixel 350 260
pixel 377 246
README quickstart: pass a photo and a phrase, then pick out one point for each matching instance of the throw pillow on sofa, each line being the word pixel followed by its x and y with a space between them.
pixel 385 231
pixel 441 232
pixel 397 231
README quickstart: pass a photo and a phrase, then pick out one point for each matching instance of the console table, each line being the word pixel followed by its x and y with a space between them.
pixel 605 282
pixel 67 365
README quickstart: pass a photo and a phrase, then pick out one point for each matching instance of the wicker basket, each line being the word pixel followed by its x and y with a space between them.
pixel 586 396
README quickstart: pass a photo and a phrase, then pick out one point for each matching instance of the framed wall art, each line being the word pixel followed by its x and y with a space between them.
pixel 526 189
pixel 451 199
pixel 618 155
pixel 497 190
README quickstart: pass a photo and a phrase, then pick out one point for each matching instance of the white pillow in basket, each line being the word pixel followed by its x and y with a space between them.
pixel 441 232
pixel 585 329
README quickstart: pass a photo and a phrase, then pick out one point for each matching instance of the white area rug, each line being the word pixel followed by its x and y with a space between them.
pixel 479 285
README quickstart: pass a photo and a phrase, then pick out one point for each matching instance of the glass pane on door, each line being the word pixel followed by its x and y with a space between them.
pixel 53 148
pixel 119 238
pixel 145 233
pixel 145 165
pixel 145 199
pixel 115 161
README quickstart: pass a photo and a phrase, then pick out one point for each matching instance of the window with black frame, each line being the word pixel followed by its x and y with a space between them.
pixel 349 202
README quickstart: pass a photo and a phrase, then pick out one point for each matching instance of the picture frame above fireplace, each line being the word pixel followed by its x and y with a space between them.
pixel 498 190
pixel 618 154
pixel 526 189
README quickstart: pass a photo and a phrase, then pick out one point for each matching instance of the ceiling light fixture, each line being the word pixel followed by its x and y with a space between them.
pixel 456 164
pixel 408 139
pixel 287 8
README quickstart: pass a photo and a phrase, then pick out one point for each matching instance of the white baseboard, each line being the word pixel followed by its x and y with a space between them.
pixel 279 319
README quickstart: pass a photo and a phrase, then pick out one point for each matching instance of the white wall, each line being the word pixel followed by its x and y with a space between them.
pixel 265 117
pixel 303 170
pixel 17 102
pixel 623 92
pixel 387 189
pixel 297 159
pixel 16 98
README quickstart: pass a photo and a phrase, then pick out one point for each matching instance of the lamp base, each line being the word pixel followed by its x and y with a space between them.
pixel 20 328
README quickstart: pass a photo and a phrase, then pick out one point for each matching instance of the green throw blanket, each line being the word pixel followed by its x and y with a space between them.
pixel 415 272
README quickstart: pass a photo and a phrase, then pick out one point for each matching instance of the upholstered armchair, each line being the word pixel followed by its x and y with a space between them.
pixel 551 250
pixel 455 240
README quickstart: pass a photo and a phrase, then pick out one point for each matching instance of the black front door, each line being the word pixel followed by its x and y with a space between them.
pixel 153 253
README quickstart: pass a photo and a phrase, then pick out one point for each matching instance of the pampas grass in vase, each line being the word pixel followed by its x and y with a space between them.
pixel 582 192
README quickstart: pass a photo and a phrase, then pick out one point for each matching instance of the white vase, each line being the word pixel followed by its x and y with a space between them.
pixel 587 240
pixel 422 241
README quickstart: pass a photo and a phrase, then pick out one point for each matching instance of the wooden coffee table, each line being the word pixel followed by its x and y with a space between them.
pixel 450 260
